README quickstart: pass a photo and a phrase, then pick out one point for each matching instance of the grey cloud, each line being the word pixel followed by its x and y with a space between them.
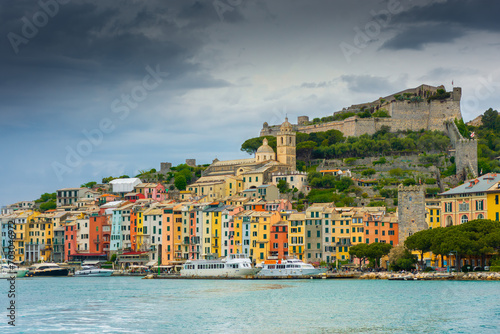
pixel 442 22
pixel 371 84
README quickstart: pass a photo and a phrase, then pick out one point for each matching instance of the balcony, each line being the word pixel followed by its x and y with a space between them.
pixel 97 241
pixel 106 249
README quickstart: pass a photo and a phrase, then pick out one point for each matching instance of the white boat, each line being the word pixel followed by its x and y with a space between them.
pixel 91 271
pixel 8 270
pixel 236 265
pixel 289 267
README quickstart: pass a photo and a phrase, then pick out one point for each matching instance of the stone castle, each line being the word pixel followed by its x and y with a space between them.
pixel 407 110
pixel 411 109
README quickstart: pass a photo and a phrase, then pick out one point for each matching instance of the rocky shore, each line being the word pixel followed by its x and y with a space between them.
pixel 472 276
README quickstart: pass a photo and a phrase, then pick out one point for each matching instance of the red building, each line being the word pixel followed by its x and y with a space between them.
pixel 279 241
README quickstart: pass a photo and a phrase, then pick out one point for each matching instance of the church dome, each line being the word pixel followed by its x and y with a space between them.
pixel 265 152
pixel 286 126
pixel 265 148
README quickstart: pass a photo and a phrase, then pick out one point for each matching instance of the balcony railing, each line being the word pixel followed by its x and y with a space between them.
pixel 97 241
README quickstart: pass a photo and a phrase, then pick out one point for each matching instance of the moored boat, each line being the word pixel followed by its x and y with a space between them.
pixel 289 267
pixel 8 270
pixel 91 271
pixel 46 269
pixel 236 265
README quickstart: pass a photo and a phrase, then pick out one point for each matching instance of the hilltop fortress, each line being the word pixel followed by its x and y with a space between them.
pixel 412 109
pixel 424 107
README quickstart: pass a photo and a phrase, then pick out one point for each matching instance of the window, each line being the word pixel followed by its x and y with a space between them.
pixel 479 205
pixel 318 234
pixel 496 200
pixel 448 207
pixel 464 219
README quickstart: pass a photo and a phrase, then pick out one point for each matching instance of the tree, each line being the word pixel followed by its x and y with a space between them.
pixel 305 149
pixel 400 258
pixel 50 205
pixel 421 241
pixel 88 184
pixel 283 186
pixel 180 181
pixel 359 251
pixel 251 145
pixel 490 119
pixel 377 250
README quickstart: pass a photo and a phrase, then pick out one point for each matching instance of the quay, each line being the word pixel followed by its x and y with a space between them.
pixel 320 276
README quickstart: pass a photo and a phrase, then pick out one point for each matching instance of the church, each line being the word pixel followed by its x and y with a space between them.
pixel 231 176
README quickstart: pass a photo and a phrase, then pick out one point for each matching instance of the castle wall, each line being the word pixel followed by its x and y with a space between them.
pixel 405 115
pixel 466 156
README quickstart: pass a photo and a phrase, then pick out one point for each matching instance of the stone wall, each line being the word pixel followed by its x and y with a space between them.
pixel 411 211
pixel 405 115
pixel 465 151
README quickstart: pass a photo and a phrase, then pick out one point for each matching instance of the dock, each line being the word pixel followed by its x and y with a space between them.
pixel 256 277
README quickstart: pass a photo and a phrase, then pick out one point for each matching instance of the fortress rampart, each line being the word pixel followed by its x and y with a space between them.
pixel 404 115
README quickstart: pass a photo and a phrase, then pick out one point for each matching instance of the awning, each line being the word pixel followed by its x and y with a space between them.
pixel 91 263
pixel 151 263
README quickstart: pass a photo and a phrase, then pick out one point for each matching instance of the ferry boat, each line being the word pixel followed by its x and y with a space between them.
pixel 289 267
pixel 46 269
pixel 236 265
pixel 91 271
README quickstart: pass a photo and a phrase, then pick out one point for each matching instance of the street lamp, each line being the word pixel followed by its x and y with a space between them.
pixel 449 258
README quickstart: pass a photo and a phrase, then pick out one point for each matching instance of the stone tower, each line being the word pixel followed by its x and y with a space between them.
pixel 286 145
pixel 411 211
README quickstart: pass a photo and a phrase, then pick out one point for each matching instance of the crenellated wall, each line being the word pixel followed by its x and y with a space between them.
pixel 405 115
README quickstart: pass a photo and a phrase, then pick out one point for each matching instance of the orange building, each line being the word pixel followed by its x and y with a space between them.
pixel 381 228
pixel 279 241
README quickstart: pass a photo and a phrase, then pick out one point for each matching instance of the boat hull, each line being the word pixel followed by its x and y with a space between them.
pixel 55 272
pixel 291 272
pixel 218 273
pixel 94 273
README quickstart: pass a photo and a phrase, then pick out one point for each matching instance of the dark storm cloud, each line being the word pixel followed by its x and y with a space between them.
pixel 442 22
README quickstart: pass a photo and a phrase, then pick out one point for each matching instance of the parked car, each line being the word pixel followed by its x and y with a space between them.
pixel 486 268
pixel 477 268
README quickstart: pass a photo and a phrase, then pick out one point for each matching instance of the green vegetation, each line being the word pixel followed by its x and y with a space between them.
pixel 46 197
pixel 440 94
pixel 400 258
pixel 474 238
pixel 373 252
pixel 251 145
pixel 47 201
pixel 88 184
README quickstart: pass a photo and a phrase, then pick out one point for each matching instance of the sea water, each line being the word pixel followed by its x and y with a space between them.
pixel 133 305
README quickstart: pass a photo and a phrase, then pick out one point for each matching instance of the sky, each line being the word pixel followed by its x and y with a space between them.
pixel 90 89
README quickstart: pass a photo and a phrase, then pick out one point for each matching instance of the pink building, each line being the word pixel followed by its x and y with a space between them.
pixel 155 191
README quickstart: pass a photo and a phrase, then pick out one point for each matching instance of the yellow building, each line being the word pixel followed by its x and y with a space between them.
pixel 260 234
pixel 216 187
pixel 23 221
pixel 433 212
pixel 493 202
pixel 296 235
pixel 469 200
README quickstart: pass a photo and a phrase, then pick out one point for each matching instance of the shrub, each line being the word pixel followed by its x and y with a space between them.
pixel 349 161
pixel 380 161
pixel 495 268
pixel 368 172
pixel 432 191
pixel 430 181
pixel 409 182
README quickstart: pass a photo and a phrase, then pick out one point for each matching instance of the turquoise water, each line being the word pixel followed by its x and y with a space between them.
pixel 132 305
